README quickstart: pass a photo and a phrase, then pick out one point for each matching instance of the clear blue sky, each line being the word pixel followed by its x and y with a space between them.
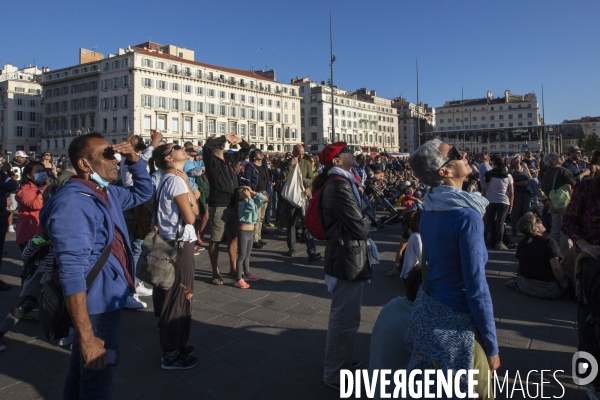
pixel 477 45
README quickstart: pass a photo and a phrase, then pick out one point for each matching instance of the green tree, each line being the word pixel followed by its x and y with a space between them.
pixel 591 142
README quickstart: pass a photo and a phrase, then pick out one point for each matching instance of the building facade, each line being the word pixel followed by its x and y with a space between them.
pixel 151 86
pixel 503 125
pixel 411 135
pixel 387 119
pixel 20 110
pixel 356 120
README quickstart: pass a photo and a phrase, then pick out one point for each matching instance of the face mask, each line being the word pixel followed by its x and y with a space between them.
pixel 40 177
pixel 97 178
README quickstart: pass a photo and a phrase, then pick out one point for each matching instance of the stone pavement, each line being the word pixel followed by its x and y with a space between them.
pixel 268 342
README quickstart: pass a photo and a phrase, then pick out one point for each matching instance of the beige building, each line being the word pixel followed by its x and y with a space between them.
pixel 357 120
pixel 590 125
pixel 151 86
pixel 387 119
pixel 20 110
pixel 408 131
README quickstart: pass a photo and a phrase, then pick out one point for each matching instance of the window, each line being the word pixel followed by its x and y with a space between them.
pixel 175 87
pixel 162 102
pixel 510 116
pixel 124 101
pixel 510 124
pixel 519 115
pixel 529 115
pixel 18 131
pixel 200 126
pixel 162 123
pixel 211 126
pixel 199 107
pixel 174 104
pixel 162 85
pixel 114 125
pixel 262 131
pixel 501 117
pixel 492 117
pixel 147 101
pixel 222 110
pixel 211 93
pixel 175 124
pixel 232 127
pixel 313 121
pixel 187 105
pixel 147 122
pixel 188 89
pixel 222 128
pixel 293 119
pixel 19 115
pixel 104 124
pixel 199 90
pixel 125 124
pixel 232 96
pixel 242 130
pixel 221 94
pixel 187 124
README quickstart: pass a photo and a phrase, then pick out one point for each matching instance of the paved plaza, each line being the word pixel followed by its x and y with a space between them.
pixel 268 342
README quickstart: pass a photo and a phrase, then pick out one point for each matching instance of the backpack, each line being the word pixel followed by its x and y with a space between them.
pixel 34 261
pixel 313 220
pixel 589 284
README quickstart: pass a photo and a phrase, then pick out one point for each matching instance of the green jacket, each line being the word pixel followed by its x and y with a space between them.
pixel 305 167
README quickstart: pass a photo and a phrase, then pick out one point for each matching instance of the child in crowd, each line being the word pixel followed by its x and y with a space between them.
pixel 248 206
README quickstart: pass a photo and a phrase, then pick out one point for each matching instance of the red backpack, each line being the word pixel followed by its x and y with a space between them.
pixel 313 221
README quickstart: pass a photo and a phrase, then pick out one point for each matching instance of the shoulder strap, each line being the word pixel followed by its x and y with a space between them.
pixel 554 181
pixel 97 267
pixel 423 266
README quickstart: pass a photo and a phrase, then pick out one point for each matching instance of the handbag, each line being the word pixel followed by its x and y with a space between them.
pixel 560 197
pixel 293 189
pixel 156 264
pixel 53 314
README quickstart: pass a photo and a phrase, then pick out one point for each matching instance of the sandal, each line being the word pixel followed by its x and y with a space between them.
pixel 233 274
pixel 217 281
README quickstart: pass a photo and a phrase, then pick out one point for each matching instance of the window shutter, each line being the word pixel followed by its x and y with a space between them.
pixel 152 101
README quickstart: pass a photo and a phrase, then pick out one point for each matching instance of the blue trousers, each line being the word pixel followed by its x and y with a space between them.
pixel 87 384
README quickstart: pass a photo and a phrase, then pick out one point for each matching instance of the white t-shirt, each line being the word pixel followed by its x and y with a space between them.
pixel 497 190
pixel 412 254
pixel 168 218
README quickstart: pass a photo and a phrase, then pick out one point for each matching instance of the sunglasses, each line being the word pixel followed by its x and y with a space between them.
pixel 176 147
pixel 346 149
pixel 109 153
pixel 453 155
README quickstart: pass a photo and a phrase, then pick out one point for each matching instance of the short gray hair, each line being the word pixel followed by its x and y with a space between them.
pixel 549 158
pixel 426 161
pixel 527 223
pixel 67 164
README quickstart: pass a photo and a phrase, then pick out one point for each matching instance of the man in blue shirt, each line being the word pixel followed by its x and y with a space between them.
pixel 575 164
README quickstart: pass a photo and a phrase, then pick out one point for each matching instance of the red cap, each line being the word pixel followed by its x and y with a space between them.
pixel 329 152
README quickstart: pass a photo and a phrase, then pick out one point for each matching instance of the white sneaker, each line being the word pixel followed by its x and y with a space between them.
pixel 134 302
pixel 142 290
pixel 11 229
pixel 67 341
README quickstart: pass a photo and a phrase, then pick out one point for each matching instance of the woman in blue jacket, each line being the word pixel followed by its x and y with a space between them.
pixel 452 324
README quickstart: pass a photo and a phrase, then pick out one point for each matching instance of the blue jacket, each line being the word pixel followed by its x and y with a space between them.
pixel 80 226
pixel 456 258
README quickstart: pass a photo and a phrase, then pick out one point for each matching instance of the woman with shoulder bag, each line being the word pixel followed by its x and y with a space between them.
pixel 452 322
pixel 177 209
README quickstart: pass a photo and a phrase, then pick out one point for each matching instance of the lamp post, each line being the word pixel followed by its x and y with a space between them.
pixel 332 59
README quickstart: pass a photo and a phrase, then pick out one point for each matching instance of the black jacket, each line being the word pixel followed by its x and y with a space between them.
pixel 347 231
pixel 221 173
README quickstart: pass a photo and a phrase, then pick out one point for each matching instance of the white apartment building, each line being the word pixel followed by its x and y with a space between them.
pixel 356 121
pixel 151 86
pixel 20 110
pixel 408 115
pixel 387 119
pixel 506 124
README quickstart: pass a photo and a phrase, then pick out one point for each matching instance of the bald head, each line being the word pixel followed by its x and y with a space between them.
pixel 298 151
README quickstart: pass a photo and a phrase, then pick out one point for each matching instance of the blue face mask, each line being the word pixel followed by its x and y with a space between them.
pixel 40 177
pixel 97 178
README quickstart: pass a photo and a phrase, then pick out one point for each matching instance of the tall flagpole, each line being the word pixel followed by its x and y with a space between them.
pixel 544 120
pixel 418 106
pixel 462 109
pixel 332 58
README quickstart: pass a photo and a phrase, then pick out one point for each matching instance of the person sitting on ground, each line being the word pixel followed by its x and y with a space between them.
pixel 249 208
pixel 414 249
pixel 541 273
pixel 388 349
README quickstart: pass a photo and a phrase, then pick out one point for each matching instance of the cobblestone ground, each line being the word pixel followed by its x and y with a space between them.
pixel 268 342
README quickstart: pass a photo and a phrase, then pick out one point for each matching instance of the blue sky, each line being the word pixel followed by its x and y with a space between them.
pixel 476 45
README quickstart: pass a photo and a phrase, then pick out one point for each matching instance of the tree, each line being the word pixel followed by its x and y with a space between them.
pixel 591 142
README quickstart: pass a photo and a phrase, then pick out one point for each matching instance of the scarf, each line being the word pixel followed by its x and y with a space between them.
pixel 350 176
pixel 449 198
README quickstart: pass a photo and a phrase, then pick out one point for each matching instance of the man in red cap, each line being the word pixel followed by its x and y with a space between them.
pixel 347 263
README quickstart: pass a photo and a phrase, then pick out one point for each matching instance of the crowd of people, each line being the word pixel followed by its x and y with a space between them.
pixel 454 207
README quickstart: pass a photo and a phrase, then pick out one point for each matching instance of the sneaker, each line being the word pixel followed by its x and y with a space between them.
pixel 2 344
pixel 262 242
pixel 142 290
pixel 257 245
pixel 280 229
pixel 67 341
pixel 187 351
pixel 314 257
pixel 290 253
pixel 241 284
pixel 134 302
pixel 182 361
pixel 197 250
pixel 11 229
pixel 500 246
pixel 4 286
pixel 251 278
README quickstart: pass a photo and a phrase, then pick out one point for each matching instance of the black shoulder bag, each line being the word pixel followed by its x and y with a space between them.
pixel 53 314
